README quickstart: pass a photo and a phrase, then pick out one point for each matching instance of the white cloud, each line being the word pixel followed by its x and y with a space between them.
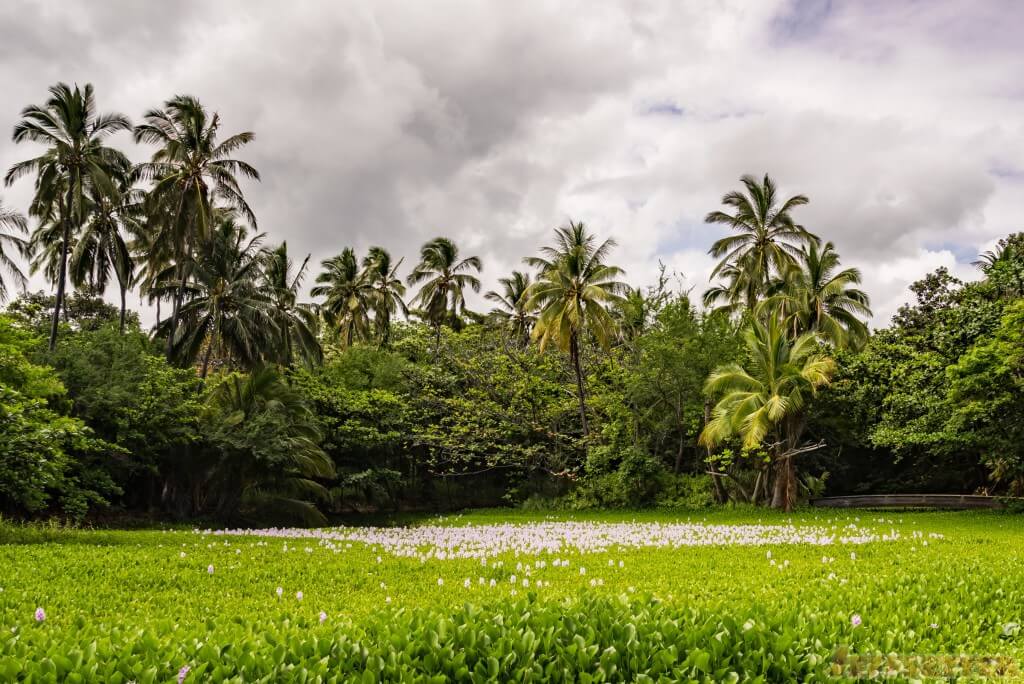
pixel 391 122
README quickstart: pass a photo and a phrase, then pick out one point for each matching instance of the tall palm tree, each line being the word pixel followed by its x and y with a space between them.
pixel 348 292
pixel 814 296
pixel 445 278
pixel 573 291
pixel 225 310
pixel 102 248
pixel 11 224
pixel 766 243
pixel 296 321
pixel 191 170
pixel 511 310
pixel 387 297
pixel 75 164
pixel 767 399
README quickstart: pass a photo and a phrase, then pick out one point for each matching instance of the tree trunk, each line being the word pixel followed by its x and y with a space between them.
pixel 124 306
pixel 784 489
pixel 61 282
pixel 206 358
pixel 173 326
pixel 574 352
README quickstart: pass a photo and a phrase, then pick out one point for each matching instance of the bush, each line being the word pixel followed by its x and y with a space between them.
pixel 686 491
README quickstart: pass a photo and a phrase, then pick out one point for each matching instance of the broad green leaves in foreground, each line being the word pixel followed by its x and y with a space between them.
pixel 123 606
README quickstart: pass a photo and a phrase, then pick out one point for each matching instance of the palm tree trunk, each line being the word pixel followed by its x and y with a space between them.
pixel 158 312
pixel 206 358
pixel 574 352
pixel 124 305
pixel 62 275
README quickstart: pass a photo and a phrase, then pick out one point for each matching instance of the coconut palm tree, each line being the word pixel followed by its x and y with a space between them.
pixel 814 296
pixel 766 243
pixel 269 455
pixel 296 321
pixel 102 249
pixel 11 225
pixel 348 293
pixel 75 164
pixel 511 310
pixel 387 297
pixel 191 171
pixel 225 310
pixel 445 278
pixel 767 399
pixel 572 293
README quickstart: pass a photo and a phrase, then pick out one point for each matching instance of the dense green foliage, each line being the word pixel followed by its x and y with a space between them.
pixel 245 402
pixel 121 606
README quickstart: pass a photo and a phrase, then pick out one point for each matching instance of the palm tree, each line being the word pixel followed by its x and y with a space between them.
pixel 271 457
pixel 766 244
pixel 190 171
pixel 102 247
pixel 573 291
pixel 511 310
pixel 224 307
pixel 296 321
pixel 768 398
pixel 445 278
pixel 11 224
pixel 348 292
pixel 75 164
pixel 388 291
pixel 814 296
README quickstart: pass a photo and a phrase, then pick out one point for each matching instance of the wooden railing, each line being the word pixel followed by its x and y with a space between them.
pixel 909 501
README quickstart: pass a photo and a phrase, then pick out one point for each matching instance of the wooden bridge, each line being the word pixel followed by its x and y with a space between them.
pixel 953 501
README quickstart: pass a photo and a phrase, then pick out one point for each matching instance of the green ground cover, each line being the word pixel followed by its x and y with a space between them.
pixel 143 605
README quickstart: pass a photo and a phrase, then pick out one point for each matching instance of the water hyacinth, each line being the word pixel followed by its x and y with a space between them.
pixel 855 620
pixel 323 617
pixel 279 591
pixel 434 542
pixel 298 595
pixel 40 615
pixel 183 673
pixel 209 569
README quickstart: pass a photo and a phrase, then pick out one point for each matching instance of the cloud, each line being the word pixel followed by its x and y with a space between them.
pixel 392 122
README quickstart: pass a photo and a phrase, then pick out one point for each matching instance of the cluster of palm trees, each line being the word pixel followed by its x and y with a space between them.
pixel 179 229
pixel 797 303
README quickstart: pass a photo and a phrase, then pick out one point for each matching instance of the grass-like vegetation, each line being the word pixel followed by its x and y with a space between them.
pixel 128 606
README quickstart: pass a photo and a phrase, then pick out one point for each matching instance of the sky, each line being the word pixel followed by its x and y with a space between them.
pixel 392 122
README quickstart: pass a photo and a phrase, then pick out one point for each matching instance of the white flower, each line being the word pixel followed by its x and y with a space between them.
pixel 440 581
pixel 298 595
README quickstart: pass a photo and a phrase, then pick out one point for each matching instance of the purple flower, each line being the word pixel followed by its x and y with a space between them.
pixel 298 595
pixel 209 569
pixel 855 620
pixel 40 615
pixel 323 617
pixel 182 673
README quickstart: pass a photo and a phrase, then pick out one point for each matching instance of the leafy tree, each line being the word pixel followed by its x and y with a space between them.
pixel 444 279
pixel 11 224
pixel 388 292
pixel 75 164
pixel 296 321
pixel 767 400
pixel 191 171
pixel 511 311
pixel 49 462
pixel 573 291
pixel 986 391
pixel 348 293
pixel 766 242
